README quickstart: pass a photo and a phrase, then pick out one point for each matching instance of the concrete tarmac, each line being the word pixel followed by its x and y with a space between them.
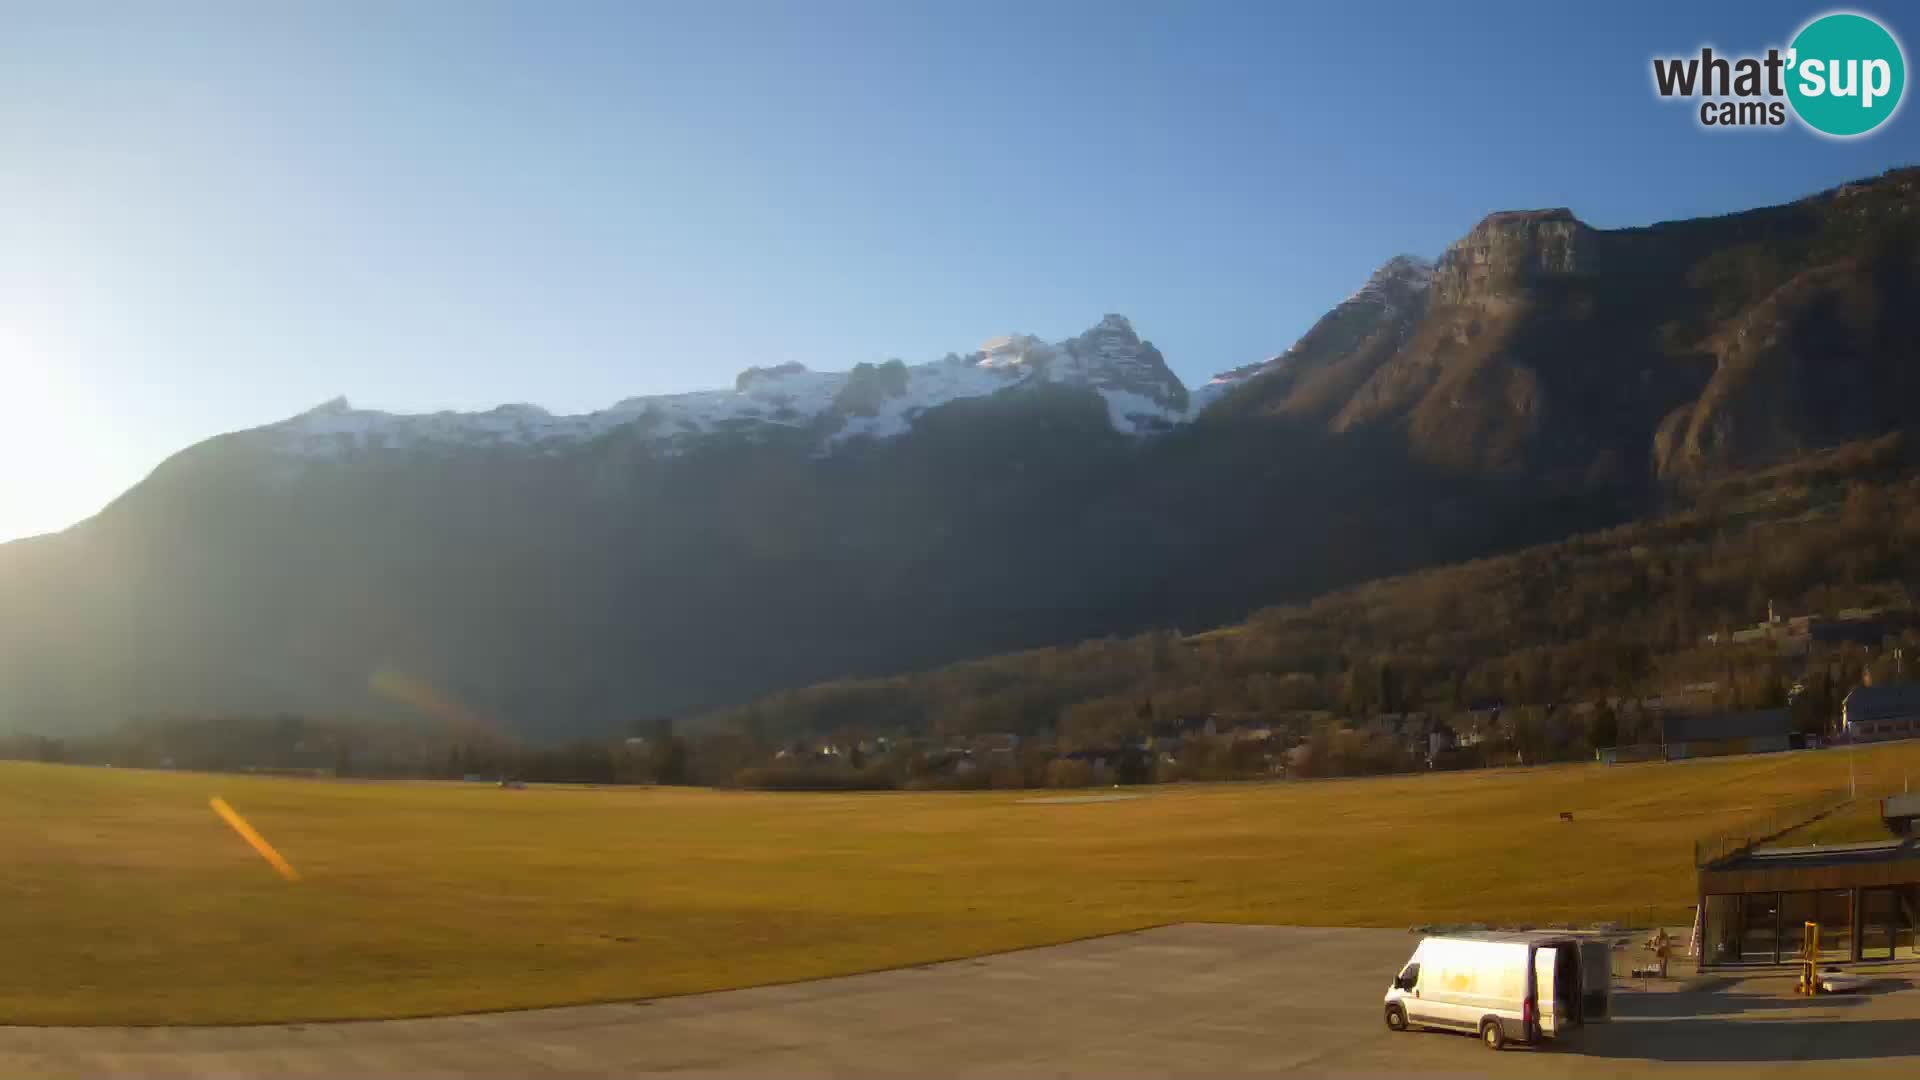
pixel 1191 1000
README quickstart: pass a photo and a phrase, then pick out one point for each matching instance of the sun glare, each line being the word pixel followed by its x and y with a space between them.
pixel 53 451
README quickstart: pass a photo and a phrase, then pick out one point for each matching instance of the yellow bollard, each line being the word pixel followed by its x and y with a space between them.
pixel 1810 961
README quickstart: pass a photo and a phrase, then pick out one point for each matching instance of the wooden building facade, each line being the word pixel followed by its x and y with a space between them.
pixel 1865 897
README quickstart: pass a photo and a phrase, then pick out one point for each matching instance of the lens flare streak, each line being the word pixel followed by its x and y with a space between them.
pixel 253 838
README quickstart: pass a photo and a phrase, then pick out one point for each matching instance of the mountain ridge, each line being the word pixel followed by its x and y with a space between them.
pixel 1652 354
pixel 567 574
pixel 866 401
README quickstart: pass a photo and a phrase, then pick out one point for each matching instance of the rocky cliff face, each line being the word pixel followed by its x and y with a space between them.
pixel 1317 373
pixel 1141 393
pixel 1830 356
pixel 1466 398
pixel 1113 360
pixel 1512 250
pixel 1637 356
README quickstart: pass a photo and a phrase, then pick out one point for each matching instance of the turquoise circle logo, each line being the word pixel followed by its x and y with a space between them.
pixel 1846 74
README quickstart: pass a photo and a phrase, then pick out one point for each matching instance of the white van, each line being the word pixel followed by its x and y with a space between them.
pixel 1520 986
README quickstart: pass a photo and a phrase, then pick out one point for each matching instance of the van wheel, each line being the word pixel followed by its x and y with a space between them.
pixel 1491 1034
pixel 1396 1018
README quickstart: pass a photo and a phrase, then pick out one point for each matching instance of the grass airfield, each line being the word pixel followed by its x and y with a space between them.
pixel 126 900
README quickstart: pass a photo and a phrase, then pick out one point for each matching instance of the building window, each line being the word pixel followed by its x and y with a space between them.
pixel 1888 919
pixel 1760 919
pixel 1906 921
pixel 1797 909
pixel 1835 907
pixel 1723 930
pixel 1878 907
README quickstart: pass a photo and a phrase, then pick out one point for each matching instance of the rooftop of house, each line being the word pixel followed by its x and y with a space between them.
pixel 1715 727
pixel 1872 702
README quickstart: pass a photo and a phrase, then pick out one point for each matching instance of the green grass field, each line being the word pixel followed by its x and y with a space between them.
pixel 126 900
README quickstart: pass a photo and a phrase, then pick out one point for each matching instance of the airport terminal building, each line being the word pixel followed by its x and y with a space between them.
pixel 1755 904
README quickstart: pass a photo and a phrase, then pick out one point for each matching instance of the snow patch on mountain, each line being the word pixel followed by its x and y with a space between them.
pixel 1141 396
pixel 928 386
pixel 1133 413
pixel 1011 350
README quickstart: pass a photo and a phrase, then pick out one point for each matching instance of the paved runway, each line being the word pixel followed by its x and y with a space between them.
pixel 1181 1000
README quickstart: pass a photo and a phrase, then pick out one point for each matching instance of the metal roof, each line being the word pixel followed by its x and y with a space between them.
pixel 1508 937
pixel 1682 727
pixel 1866 849
pixel 1880 702
pixel 1825 866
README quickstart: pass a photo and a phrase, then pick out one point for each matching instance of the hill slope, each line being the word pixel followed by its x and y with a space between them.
pixel 1618 613
pixel 572 574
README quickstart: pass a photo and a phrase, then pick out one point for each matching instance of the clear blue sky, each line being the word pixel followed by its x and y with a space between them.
pixel 215 216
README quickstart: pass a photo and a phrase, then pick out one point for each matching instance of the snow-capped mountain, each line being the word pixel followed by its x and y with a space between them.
pixel 870 401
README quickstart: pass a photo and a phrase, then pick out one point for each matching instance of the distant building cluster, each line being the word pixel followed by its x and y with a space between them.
pixel 1799 634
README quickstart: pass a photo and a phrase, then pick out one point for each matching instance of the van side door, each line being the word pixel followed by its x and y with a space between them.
pixel 1544 963
pixel 1596 981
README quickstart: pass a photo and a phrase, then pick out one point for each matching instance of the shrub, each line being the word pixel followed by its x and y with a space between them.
pixel 1069 772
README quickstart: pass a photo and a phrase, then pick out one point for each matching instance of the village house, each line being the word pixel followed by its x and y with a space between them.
pixel 1691 735
pixel 1872 713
